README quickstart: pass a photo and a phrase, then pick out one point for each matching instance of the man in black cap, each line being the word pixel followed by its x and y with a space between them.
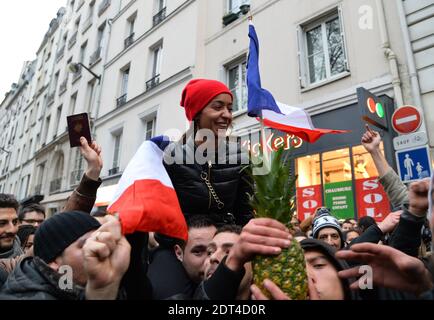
pixel 75 258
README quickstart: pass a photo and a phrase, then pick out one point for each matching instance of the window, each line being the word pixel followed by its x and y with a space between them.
pixel 234 5
pixel 17 162
pixel 23 155
pixel 129 39
pixel 238 85
pixel 82 52
pixel 89 97
pixel 149 128
pixel 100 35
pixel 322 49
pixel 116 153
pixel 56 125
pixel 72 104
pixel 78 167
pixel 46 127
pixel 24 186
pixel 125 73
pixel 156 58
pixel 55 81
pixel 30 151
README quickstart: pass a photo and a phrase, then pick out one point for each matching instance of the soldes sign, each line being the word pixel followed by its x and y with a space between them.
pixel 372 200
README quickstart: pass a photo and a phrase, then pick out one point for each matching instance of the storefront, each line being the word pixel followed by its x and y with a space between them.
pixel 336 171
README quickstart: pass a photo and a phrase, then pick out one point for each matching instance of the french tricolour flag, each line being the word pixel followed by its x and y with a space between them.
pixel 261 103
pixel 145 199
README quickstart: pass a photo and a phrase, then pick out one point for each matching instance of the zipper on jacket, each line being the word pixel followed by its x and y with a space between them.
pixel 209 179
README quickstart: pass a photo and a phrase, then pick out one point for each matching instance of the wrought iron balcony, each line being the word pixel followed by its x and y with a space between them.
pixel 113 171
pixel 160 16
pixel 95 56
pixel 103 6
pixel 129 41
pixel 72 40
pixel 121 100
pixel 55 185
pixel 153 82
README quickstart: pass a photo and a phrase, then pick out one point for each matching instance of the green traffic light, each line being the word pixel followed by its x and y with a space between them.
pixel 380 110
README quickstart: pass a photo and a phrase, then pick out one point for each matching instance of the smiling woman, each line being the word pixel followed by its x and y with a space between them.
pixel 212 183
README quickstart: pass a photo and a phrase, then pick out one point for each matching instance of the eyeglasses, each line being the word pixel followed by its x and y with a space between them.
pixel 33 221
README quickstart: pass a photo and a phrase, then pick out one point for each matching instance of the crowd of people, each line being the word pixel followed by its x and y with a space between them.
pixel 76 254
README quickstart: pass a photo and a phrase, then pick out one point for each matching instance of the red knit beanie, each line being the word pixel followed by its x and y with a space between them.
pixel 198 93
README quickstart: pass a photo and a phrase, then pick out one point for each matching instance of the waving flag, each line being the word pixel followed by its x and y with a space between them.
pixel 145 199
pixel 261 103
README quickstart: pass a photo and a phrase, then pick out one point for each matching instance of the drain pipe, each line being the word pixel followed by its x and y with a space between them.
pixel 390 55
pixel 414 80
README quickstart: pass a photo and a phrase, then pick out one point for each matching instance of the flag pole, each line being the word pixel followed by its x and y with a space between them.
pixel 261 121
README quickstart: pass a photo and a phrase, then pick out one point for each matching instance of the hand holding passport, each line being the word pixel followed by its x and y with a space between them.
pixel 78 126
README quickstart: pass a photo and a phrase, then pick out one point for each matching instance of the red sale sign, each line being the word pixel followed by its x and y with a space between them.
pixel 371 199
pixel 308 199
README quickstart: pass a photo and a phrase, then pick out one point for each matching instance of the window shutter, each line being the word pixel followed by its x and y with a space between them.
pixel 302 75
pixel 344 45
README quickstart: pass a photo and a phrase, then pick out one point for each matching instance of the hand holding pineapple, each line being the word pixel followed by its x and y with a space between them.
pixel 277 294
pixel 261 236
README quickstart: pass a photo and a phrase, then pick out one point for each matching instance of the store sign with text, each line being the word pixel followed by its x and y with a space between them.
pixel 371 199
pixel 273 142
pixel 308 199
pixel 339 198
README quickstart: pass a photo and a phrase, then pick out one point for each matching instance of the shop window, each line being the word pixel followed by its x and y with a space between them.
pixel 308 185
pixel 364 167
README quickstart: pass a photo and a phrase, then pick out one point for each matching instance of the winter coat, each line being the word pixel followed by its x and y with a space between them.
pixel 224 172
pixel 33 279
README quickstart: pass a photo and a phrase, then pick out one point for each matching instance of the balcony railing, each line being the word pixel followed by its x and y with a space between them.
pixel 60 53
pixel 72 40
pixel 38 189
pixel 121 100
pixel 113 171
pixel 77 74
pixel 129 41
pixel 153 82
pixel 160 16
pixel 62 87
pixel 55 185
pixel 76 176
pixel 103 6
pixel 95 56
pixel 50 98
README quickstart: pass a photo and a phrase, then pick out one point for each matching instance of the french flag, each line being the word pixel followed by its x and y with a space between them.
pixel 276 115
pixel 145 199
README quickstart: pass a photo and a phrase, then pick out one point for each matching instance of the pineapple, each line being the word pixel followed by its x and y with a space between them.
pixel 274 198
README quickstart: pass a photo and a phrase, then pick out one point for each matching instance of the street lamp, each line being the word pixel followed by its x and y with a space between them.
pixel 75 67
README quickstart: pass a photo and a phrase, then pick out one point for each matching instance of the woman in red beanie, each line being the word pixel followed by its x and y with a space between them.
pixel 208 181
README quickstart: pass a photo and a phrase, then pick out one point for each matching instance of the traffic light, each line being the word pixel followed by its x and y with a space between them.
pixel 372 108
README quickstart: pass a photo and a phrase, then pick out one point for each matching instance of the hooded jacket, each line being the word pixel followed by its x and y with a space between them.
pixel 33 279
pixel 329 252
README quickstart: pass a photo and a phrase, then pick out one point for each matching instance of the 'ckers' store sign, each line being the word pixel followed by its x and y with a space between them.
pixel 370 198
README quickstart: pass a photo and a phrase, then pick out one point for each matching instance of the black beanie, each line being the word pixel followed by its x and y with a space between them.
pixel 57 233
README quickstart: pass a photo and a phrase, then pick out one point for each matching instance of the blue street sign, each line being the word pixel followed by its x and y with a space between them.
pixel 413 164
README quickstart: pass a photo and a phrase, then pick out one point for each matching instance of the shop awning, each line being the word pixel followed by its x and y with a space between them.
pixel 105 195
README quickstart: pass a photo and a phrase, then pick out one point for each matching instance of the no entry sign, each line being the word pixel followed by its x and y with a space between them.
pixel 406 119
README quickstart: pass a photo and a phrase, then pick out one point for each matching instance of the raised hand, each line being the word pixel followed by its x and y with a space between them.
pixel 277 294
pixel 262 236
pixel 418 197
pixel 92 154
pixel 391 268
pixel 390 222
pixel 371 140
pixel 106 259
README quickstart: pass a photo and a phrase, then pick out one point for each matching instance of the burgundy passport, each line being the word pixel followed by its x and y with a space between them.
pixel 78 126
